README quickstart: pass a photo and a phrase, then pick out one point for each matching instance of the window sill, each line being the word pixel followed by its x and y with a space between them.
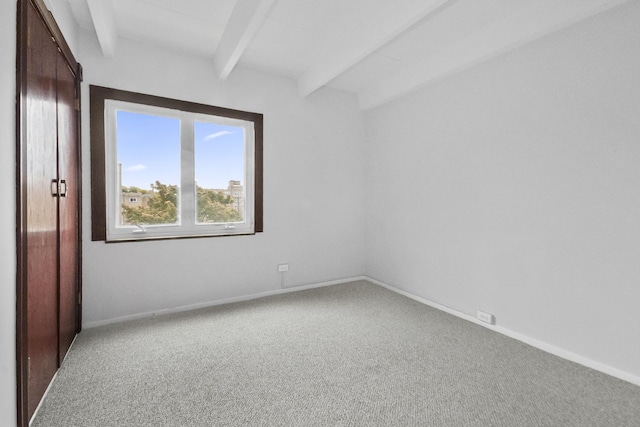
pixel 157 238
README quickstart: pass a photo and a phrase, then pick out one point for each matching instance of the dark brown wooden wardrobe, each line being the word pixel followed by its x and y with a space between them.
pixel 48 202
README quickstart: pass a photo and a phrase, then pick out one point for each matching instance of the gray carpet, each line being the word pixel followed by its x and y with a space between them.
pixel 346 355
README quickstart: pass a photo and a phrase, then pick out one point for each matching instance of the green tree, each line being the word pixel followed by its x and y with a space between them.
pixel 161 208
pixel 213 206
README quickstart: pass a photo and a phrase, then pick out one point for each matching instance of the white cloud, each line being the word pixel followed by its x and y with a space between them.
pixel 135 168
pixel 217 135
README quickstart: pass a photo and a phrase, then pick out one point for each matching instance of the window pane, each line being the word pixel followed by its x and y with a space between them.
pixel 219 173
pixel 149 168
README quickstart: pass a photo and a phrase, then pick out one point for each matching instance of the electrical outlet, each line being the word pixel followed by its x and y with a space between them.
pixel 283 267
pixel 486 317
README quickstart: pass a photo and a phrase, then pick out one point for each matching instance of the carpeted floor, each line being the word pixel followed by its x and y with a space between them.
pixel 345 355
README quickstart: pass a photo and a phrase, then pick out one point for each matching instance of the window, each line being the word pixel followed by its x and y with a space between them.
pixel 164 168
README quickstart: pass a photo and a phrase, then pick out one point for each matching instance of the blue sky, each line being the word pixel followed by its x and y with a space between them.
pixel 149 150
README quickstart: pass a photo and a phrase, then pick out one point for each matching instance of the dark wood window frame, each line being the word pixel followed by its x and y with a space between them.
pixel 98 96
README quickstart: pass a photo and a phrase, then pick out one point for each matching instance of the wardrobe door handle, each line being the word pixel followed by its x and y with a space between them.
pixel 54 188
pixel 63 188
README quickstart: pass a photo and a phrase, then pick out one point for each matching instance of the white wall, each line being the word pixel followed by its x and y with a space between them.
pixel 313 191
pixel 7 215
pixel 514 187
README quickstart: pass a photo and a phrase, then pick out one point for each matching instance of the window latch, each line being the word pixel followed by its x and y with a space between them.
pixel 141 229
pixel 63 188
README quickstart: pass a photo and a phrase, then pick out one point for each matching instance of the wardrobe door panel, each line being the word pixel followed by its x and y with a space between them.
pixel 41 216
pixel 68 205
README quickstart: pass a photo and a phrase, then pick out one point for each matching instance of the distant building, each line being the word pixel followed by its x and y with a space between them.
pixel 236 190
pixel 134 200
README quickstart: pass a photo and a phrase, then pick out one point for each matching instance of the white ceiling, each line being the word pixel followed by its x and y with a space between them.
pixel 378 49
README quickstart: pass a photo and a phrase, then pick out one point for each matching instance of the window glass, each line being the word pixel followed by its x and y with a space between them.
pixel 148 150
pixel 219 172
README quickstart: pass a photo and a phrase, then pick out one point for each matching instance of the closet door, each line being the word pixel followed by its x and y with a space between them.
pixel 68 205
pixel 41 215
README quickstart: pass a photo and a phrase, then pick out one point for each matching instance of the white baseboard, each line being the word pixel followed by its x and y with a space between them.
pixel 290 288
pixel 557 351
